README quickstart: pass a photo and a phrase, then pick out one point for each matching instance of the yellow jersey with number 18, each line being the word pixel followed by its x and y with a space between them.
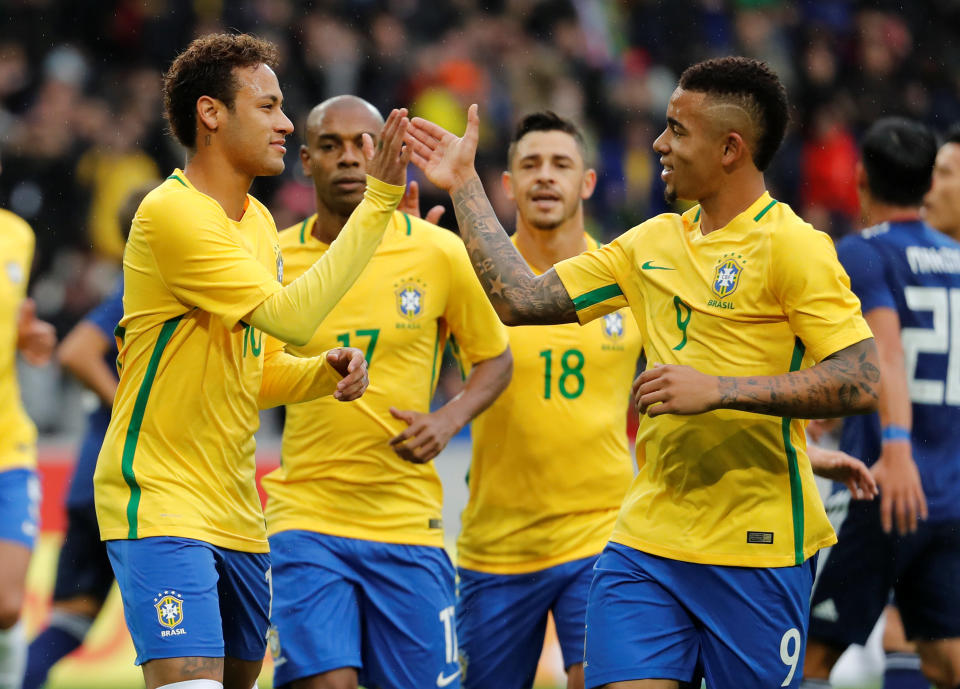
pixel 18 435
pixel 551 461
pixel 762 296
pixel 338 474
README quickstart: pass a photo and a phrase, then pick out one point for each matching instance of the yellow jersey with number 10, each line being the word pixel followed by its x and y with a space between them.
pixel 762 296
pixel 18 435
pixel 551 461
pixel 338 474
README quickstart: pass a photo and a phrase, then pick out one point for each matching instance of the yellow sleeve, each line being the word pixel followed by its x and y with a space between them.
pixel 289 379
pixel 594 279
pixel 814 291
pixel 294 313
pixel 479 333
pixel 200 259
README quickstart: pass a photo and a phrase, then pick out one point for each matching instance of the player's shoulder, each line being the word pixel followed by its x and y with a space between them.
pixel 419 235
pixel 788 231
pixel 296 235
pixel 654 227
pixel 175 200
pixel 16 228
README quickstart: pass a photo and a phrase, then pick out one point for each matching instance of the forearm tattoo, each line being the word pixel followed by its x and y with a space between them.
pixel 519 297
pixel 845 383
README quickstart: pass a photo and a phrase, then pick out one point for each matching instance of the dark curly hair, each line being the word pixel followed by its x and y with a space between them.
pixel 753 86
pixel 205 68
pixel 545 121
pixel 898 156
pixel 953 134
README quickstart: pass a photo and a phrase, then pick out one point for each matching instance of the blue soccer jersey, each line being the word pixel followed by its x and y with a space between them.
pixel 915 270
pixel 105 318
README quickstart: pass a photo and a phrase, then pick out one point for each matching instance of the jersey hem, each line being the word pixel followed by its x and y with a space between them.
pixel 722 559
pixel 841 340
pixel 361 534
pixel 218 540
pixel 527 566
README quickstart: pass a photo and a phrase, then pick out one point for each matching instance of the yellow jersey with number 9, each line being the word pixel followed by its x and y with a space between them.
pixel 18 435
pixel 762 296
pixel 551 461
pixel 338 474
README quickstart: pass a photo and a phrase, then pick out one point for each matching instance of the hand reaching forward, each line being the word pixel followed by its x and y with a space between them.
pixel 388 161
pixel 349 363
pixel 902 501
pixel 425 436
pixel 677 389
pixel 35 338
pixel 410 204
pixel 445 159
pixel 840 467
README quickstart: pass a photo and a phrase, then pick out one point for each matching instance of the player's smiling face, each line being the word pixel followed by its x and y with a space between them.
pixel 547 178
pixel 690 149
pixel 333 156
pixel 256 127
pixel 941 205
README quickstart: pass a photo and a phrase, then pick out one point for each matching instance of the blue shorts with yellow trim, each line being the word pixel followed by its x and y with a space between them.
pixel 501 620
pixel 184 598
pixel 19 506
pixel 386 609
pixel 650 617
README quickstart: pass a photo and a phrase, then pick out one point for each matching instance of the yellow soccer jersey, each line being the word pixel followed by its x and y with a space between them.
pixel 550 457
pixel 338 475
pixel 178 456
pixel 18 435
pixel 764 295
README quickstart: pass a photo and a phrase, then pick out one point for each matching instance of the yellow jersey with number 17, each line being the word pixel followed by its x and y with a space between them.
pixel 18 435
pixel 762 296
pixel 551 461
pixel 338 474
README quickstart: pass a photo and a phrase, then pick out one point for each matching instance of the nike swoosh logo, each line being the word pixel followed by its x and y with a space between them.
pixel 444 680
pixel 649 266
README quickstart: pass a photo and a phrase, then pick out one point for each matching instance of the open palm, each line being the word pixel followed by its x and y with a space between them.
pixel 445 159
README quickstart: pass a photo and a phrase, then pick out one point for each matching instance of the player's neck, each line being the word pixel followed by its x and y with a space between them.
pixel 875 212
pixel 328 224
pixel 544 248
pixel 732 198
pixel 213 175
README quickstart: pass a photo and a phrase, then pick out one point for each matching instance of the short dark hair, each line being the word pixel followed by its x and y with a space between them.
pixel 205 68
pixel 898 156
pixel 545 121
pixel 953 134
pixel 756 87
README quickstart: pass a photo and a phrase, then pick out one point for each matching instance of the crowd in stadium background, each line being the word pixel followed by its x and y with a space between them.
pixel 81 118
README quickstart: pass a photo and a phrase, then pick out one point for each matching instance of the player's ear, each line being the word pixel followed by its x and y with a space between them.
pixel 208 113
pixel 506 181
pixel 305 159
pixel 589 183
pixel 860 175
pixel 734 149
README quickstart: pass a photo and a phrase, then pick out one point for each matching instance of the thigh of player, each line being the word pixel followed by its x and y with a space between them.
pixel 315 620
pixel 854 581
pixel 83 568
pixel 754 622
pixel 927 591
pixel 501 620
pixel 636 627
pixel 184 598
pixel 19 518
pixel 407 606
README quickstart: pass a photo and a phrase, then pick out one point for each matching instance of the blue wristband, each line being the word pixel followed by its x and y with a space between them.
pixel 894 433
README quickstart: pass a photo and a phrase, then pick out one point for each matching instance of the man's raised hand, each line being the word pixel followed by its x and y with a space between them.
pixel 391 153
pixel 445 159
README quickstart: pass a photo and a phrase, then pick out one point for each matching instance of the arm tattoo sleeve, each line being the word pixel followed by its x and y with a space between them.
pixel 519 297
pixel 844 383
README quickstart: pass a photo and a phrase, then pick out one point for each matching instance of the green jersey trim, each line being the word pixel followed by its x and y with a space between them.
pixel 596 296
pixel 764 211
pixel 796 487
pixel 136 421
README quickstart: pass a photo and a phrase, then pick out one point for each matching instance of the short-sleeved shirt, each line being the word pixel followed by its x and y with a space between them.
pixel 338 475
pixel 551 462
pixel 178 456
pixel 105 318
pixel 18 435
pixel 913 269
pixel 762 296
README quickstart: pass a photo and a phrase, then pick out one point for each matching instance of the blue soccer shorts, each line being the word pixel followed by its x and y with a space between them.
pixel 19 506
pixel 650 617
pixel 385 609
pixel 186 598
pixel 502 618
pixel 854 584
